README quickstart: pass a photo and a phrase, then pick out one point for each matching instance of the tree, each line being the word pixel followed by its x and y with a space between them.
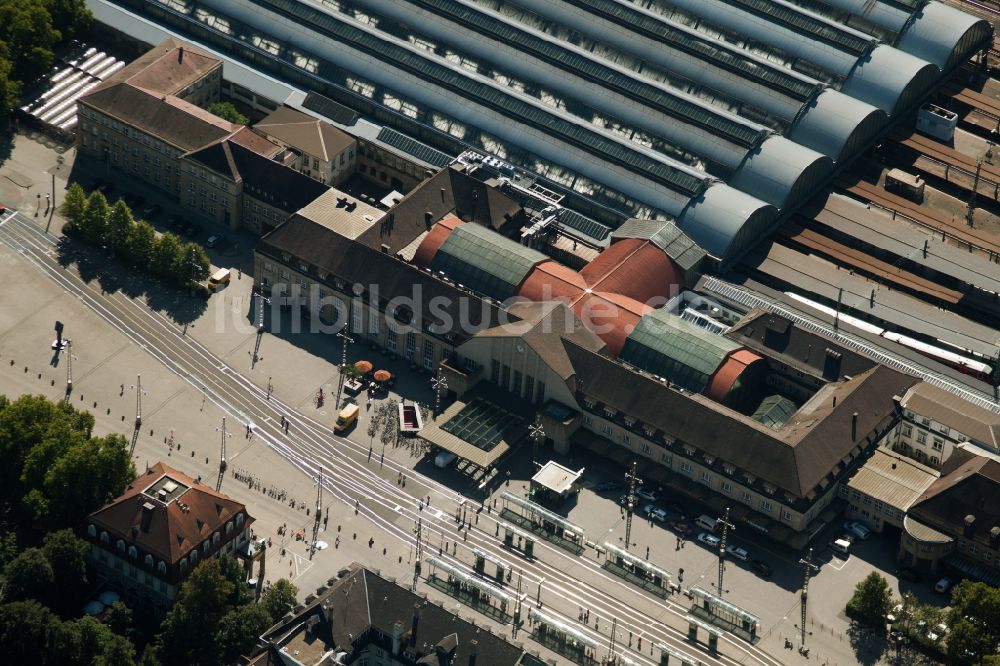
pixel 119 227
pixel 10 88
pixel 280 599
pixel 227 111
pixel 26 27
pixel 8 547
pixel 239 630
pixel 67 555
pixel 86 477
pixel 73 207
pixel 163 258
pixel 188 632
pixel 139 247
pixel 29 576
pixel 71 17
pixel 871 600
pixel 192 264
pixel 95 218
pixel 974 620
pixel 24 627
pixel 119 619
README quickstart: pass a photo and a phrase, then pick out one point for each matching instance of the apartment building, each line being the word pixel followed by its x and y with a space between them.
pixel 933 422
pixel 144 121
pixel 314 147
pixel 147 541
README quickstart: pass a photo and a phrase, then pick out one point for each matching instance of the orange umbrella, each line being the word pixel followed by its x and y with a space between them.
pixel 382 375
pixel 364 367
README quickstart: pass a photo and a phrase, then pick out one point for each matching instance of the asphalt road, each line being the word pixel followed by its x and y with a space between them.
pixel 567 582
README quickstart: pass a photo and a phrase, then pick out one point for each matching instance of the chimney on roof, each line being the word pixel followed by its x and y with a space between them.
pixel 147 516
pixel 969 526
pixel 427 219
pixel 834 401
pixel 180 54
pixel 994 537
pixel 472 652
pixel 413 624
pixel 397 638
pixel 442 194
pixel 854 426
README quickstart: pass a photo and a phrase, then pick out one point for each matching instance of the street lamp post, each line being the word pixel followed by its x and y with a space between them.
pixel 537 434
pixel 726 526
pixel 345 339
pixel 807 569
pixel 439 384
pixel 261 301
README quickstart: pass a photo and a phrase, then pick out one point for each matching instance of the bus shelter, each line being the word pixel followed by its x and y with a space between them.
pixel 546 524
pixel 501 574
pixel 637 571
pixel 563 638
pixel 471 590
pixel 729 616
pixel 667 653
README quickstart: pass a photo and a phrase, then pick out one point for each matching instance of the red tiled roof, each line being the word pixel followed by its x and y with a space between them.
pixel 173 528
pixel 250 140
pixel 728 372
pixel 551 281
pixel 433 241
pixel 636 268
pixel 611 316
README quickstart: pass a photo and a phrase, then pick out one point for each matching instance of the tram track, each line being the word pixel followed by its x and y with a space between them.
pixel 313 445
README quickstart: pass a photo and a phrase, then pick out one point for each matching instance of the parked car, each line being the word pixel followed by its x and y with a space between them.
pixel 857 529
pixel 842 544
pixel 655 512
pixel 214 240
pixel 762 568
pixel 709 539
pixel 738 552
pixel 909 574
pixel 609 486
pixel 677 511
pixel 646 494
pixel 943 585
pixel 937 632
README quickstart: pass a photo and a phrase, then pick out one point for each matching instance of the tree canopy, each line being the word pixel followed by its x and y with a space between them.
pixel 29 32
pixel 872 599
pixel 227 111
pixel 974 619
pixel 91 220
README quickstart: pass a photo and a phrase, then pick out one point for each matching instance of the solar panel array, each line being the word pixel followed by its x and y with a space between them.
pixel 421 151
pixel 679 179
pixel 808 24
pixel 333 110
pixel 584 225
pixel 668 103
pixel 702 48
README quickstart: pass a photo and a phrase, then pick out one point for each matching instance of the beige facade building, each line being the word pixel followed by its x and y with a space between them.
pixel 145 121
pixel 313 147
pixel 933 422
pixel 147 542
pixel 882 490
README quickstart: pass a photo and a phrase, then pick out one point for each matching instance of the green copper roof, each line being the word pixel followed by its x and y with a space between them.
pixel 687 355
pixel 485 261
pixel 774 411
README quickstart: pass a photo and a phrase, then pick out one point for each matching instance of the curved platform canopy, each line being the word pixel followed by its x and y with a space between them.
pixel 485 261
pixel 944 36
pixel 725 222
pixel 684 353
pixel 781 172
pixel 890 79
pixel 837 125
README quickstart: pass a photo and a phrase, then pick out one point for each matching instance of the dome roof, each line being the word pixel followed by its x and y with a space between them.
pixel 552 281
pixel 433 241
pixel 636 268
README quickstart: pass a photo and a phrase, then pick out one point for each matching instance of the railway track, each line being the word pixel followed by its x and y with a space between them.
pixel 390 508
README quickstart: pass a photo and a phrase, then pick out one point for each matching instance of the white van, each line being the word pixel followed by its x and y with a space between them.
pixel 842 546
pixel 706 522
pixel 444 458
pixel 943 585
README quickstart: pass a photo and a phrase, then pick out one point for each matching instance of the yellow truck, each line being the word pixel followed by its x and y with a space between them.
pixel 348 415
